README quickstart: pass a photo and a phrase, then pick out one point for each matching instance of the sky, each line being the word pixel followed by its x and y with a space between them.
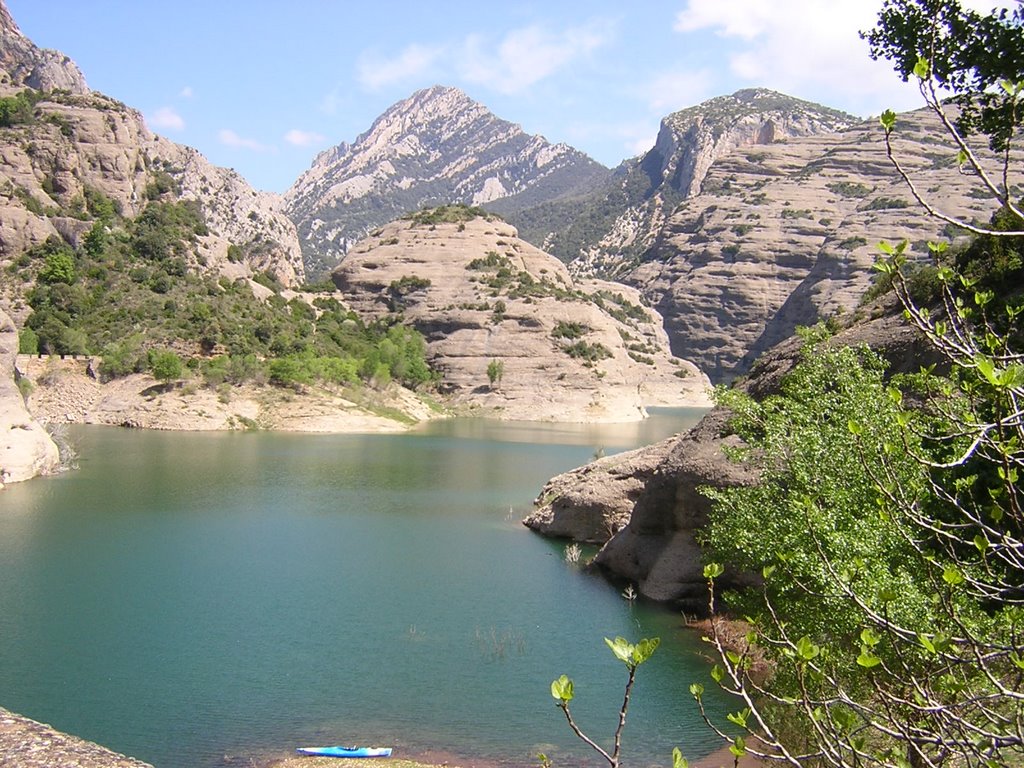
pixel 262 86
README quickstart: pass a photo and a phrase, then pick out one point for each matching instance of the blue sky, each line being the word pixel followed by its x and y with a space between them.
pixel 263 86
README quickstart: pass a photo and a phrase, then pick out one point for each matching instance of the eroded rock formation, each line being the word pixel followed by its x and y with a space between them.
pixel 26 450
pixel 646 507
pixel 568 350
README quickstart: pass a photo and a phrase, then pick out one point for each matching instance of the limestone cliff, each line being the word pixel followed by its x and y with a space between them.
pixel 70 142
pixel 26 450
pixel 510 331
pixel 624 218
pixel 785 233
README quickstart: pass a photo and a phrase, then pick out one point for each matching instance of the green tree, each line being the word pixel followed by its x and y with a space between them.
pixel 917 551
pixel 495 372
pixel 165 365
pixel 28 342
pixel 59 267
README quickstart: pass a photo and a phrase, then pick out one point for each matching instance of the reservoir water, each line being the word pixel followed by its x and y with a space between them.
pixel 190 597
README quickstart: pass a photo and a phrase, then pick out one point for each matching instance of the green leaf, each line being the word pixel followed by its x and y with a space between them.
pixel 888 120
pixel 562 689
pixel 696 690
pixel 713 570
pixel 868 659
pixel 926 642
pixel 678 761
pixel 739 747
pixel 643 650
pixel 854 427
pixel 622 649
pixel 869 637
pixel 987 369
pixel 952 576
pixel 1013 376
pixel 961 157
pixel 739 718
pixel 884 246
pixel 733 657
pixel 981 543
pixel 717 673
pixel 922 70
pixel 767 571
pixel 807 650
pixel 887 595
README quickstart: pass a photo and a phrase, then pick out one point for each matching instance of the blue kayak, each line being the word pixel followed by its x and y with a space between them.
pixel 346 751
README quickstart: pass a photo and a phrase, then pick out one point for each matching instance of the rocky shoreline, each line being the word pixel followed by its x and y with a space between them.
pixel 26 743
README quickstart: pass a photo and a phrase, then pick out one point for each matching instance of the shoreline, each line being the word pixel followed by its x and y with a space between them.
pixel 66 391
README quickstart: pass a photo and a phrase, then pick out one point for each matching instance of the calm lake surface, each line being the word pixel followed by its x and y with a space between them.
pixel 183 597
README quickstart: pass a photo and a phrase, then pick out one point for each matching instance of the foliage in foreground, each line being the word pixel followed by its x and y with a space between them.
pixel 893 607
pixel 563 691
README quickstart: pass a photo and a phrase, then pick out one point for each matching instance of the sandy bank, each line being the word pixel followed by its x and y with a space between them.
pixel 67 391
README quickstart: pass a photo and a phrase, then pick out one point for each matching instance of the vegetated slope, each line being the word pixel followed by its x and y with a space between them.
pixel 119 244
pixel 436 147
pixel 646 507
pixel 508 329
pixel 785 233
pixel 75 162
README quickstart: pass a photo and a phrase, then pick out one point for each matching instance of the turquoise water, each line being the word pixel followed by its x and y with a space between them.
pixel 186 597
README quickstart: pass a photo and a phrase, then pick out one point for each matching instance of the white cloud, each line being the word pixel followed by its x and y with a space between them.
pixel 375 71
pixel 808 48
pixel 186 92
pixel 231 139
pixel 527 55
pixel 300 138
pixel 166 119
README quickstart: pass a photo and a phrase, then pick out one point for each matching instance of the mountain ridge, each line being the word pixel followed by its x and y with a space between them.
pixel 437 146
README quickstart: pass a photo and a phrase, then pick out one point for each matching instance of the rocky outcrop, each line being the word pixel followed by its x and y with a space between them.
pixel 436 147
pixel 22 64
pixel 75 145
pixel 24 743
pixel 592 503
pixel 80 144
pixel 625 218
pixel 510 331
pixel 785 234
pixel 26 450
pixel 646 507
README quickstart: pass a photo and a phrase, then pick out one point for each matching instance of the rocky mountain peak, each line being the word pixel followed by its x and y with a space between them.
pixel 22 64
pixel 691 140
pixel 438 146
pixel 689 143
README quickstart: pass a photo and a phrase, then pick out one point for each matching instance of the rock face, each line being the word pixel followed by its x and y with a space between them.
pixel 76 142
pixel 436 147
pixel 785 234
pixel 511 332
pixel 646 507
pixel 623 219
pixel 26 449
pixel 22 64
pixel 25 743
